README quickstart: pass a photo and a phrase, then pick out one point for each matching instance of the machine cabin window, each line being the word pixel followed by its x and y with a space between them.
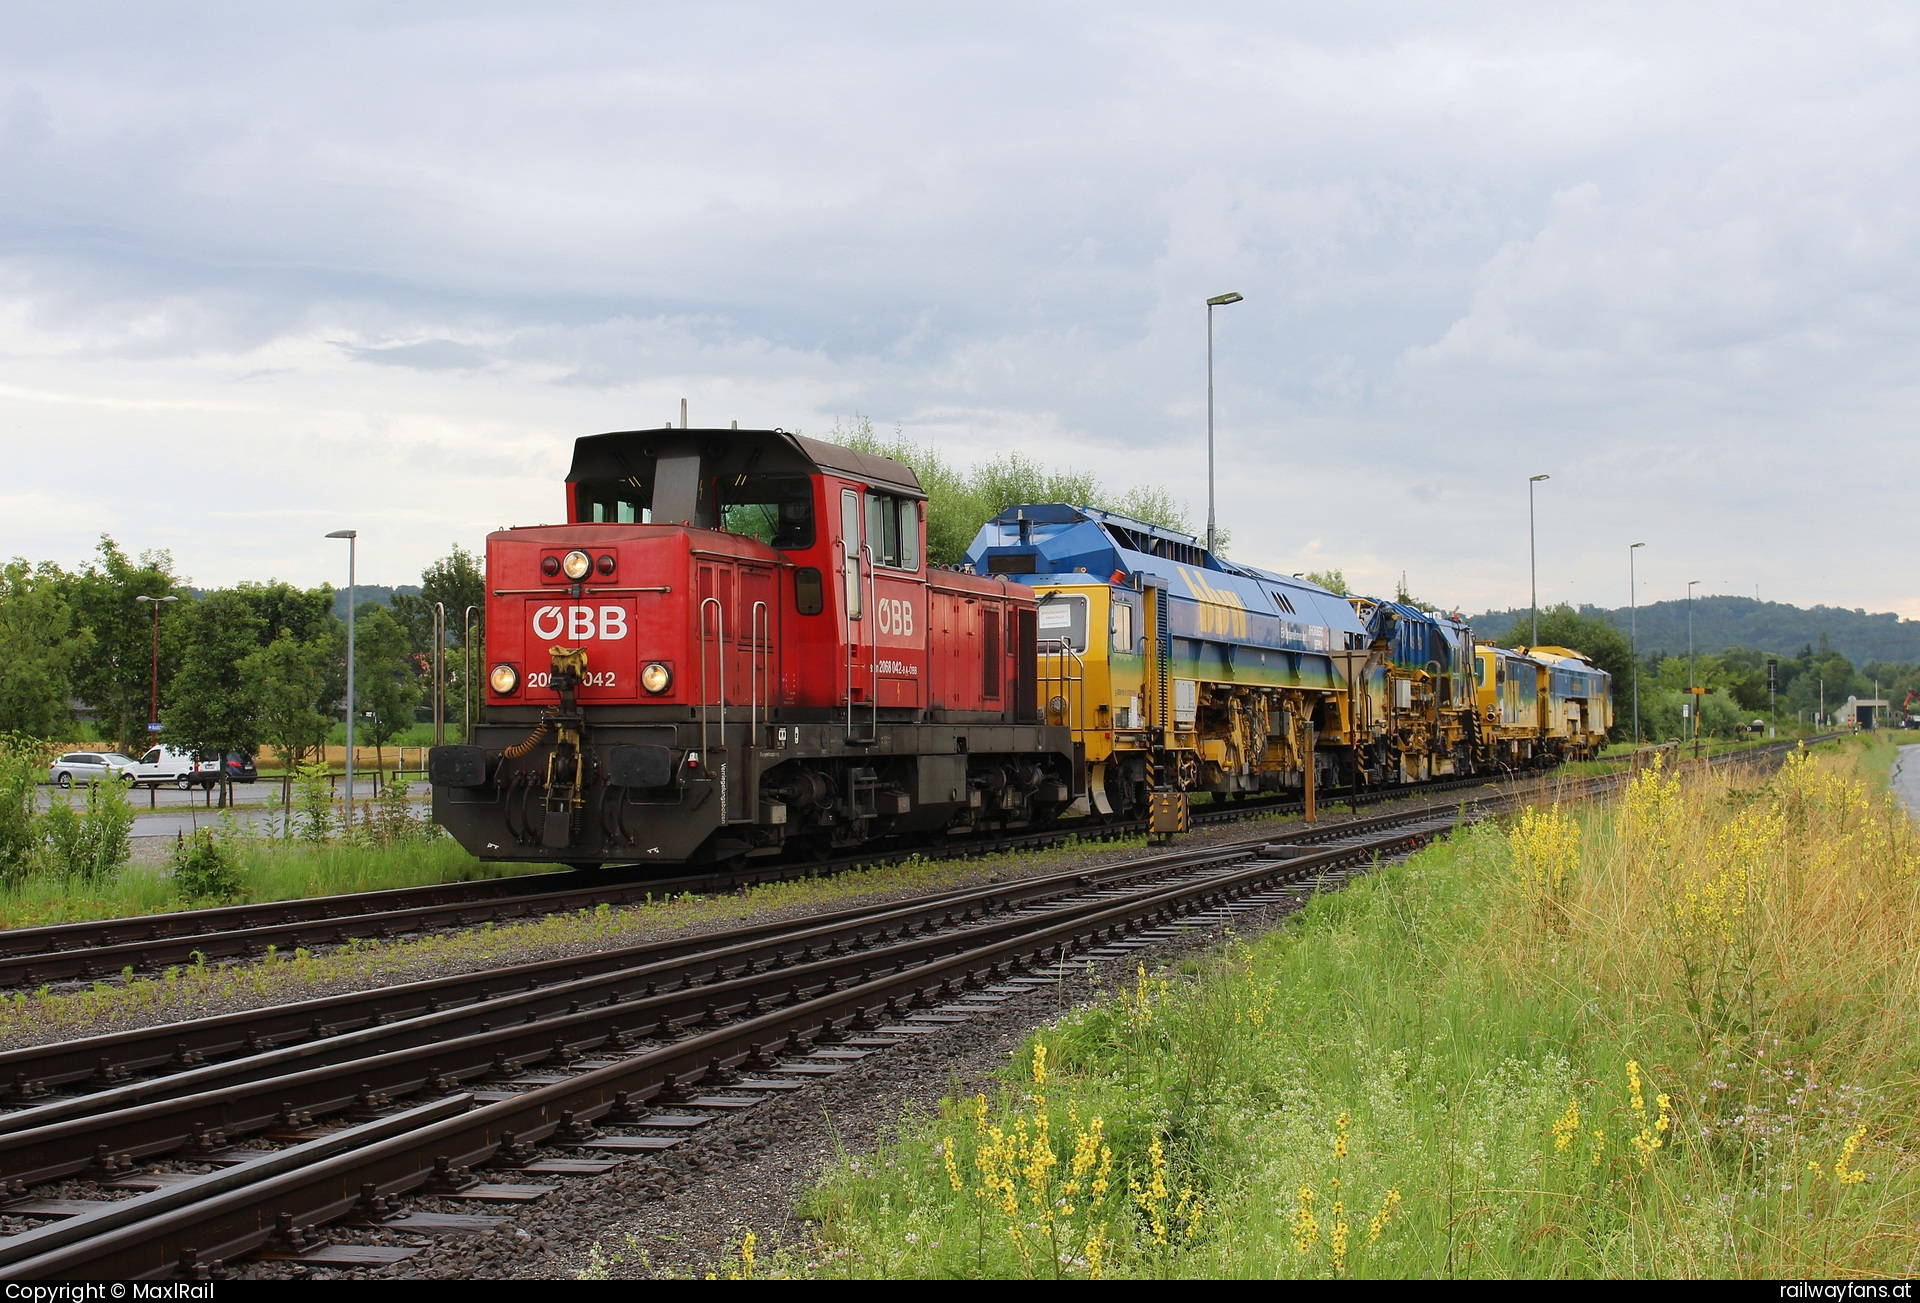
pixel 616 502
pixel 1122 624
pixel 775 509
pixel 893 531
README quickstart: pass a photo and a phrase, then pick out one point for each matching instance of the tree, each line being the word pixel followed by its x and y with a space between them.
pixel 960 502
pixel 1594 637
pixel 214 706
pixel 44 644
pixel 1334 581
pixel 386 684
pixel 289 681
pixel 116 679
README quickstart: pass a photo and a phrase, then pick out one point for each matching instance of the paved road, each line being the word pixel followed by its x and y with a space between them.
pixel 1906 778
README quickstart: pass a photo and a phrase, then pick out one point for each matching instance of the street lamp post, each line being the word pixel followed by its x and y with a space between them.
pixel 153 710
pixel 1633 634
pixel 1693 699
pixel 1533 569
pixel 350 535
pixel 1218 301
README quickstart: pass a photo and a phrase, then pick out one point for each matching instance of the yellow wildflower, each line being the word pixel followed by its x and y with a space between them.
pixel 1306 1230
pixel 1842 1171
pixel 1567 1127
pixel 1380 1219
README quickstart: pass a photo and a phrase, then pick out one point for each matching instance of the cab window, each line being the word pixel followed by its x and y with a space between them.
pixel 616 502
pixel 1122 623
pixel 775 509
pixel 893 530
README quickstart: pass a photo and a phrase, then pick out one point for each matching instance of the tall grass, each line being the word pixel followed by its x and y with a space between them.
pixel 1676 1034
pixel 268 870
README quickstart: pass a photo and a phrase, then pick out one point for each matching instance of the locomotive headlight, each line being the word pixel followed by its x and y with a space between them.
pixel 656 678
pixel 504 679
pixel 577 565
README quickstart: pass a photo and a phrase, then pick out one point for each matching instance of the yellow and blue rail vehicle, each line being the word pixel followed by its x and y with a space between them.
pixel 1174 668
pixel 1577 703
pixel 1507 689
pixel 1416 700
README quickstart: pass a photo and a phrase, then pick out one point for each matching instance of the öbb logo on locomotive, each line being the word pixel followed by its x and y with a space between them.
pixel 896 617
pixel 684 671
pixel 581 623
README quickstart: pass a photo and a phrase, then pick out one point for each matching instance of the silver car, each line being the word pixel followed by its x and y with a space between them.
pixel 89 767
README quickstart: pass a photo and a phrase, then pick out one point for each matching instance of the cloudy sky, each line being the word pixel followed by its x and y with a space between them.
pixel 268 271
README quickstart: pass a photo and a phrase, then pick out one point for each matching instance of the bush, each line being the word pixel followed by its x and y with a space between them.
pixel 204 871
pixel 91 843
pixel 313 803
pixel 19 835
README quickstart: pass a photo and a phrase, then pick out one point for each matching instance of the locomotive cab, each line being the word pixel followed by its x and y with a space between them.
pixel 733 645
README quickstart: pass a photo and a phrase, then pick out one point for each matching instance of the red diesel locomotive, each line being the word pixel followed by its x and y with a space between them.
pixel 734 647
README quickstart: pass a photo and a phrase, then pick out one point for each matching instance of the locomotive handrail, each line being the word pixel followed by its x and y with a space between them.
pixel 439 673
pixel 760 635
pixel 720 638
pixel 847 618
pixel 1073 673
pixel 873 643
pixel 466 676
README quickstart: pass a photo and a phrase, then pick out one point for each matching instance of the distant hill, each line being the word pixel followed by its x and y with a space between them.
pixel 1723 622
pixel 381 594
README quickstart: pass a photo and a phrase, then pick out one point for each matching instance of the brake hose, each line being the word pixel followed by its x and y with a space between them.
pixel 520 749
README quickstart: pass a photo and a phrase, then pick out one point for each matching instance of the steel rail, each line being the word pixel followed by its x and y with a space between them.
pixel 104 947
pixel 210 1118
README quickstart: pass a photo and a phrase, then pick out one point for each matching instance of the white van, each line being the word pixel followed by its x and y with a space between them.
pixel 165 765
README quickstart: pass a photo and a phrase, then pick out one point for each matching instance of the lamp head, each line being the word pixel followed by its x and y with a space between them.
pixel 344 533
pixel 1221 300
pixel 1636 545
pixel 1535 479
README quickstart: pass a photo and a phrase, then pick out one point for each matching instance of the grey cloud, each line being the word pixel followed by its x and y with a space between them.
pixel 424 355
pixel 1647 241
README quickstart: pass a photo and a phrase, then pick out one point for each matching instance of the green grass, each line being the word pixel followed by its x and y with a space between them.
pixel 1451 1069
pixel 268 871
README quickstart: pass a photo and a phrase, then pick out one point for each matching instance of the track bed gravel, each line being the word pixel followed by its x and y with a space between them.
pixel 682 1213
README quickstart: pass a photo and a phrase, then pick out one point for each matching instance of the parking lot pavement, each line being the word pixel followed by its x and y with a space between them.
pixel 256 793
pixel 182 821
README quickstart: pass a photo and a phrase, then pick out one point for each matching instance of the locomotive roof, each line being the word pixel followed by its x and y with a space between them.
pixel 770 452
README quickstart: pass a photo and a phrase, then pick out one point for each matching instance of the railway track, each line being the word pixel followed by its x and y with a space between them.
pixel 79 952
pixel 169 1151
